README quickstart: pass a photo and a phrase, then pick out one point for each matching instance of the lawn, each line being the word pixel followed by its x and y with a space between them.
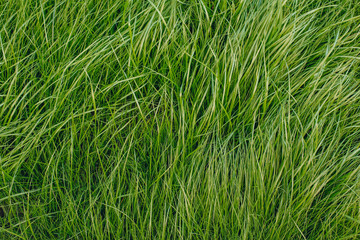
pixel 179 119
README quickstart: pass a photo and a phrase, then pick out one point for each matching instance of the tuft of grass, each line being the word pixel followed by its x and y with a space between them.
pixel 168 119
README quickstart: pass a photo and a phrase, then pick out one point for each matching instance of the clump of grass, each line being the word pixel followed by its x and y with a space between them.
pixel 169 119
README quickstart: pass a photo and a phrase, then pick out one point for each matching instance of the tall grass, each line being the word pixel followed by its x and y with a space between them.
pixel 168 119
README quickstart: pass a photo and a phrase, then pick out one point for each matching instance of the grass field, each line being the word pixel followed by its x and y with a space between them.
pixel 169 119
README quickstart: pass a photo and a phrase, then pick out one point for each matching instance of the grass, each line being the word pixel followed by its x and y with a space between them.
pixel 168 119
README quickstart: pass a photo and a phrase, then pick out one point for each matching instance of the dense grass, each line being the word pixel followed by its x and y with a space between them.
pixel 168 119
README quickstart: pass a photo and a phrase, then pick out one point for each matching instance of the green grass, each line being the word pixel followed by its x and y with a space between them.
pixel 169 119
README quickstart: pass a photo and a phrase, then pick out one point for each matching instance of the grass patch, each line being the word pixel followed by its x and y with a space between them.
pixel 170 119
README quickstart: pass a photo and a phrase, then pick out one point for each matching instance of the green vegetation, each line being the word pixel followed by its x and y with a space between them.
pixel 169 119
